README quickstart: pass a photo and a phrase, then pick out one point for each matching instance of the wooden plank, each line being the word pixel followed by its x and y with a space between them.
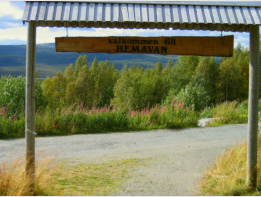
pixel 231 15
pixel 223 15
pixel 108 12
pixel 184 14
pixel 34 11
pixel 83 15
pixel 50 11
pixel 192 15
pixel 99 12
pixel 247 16
pixel 137 12
pixel 167 14
pixel 91 12
pixel 66 12
pixel 144 12
pixel 75 12
pixel 59 8
pixel 42 11
pixel 151 13
pixel 159 14
pixel 124 10
pixel 215 15
pixel 199 14
pixel 259 11
pixel 207 14
pixel 175 12
pixel 239 15
pixel 26 11
pixel 131 12
pixel 255 16
pixel 116 12
pixel 204 46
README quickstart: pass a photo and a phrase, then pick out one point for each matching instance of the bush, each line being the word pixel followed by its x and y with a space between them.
pixel 195 96
pixel 77 120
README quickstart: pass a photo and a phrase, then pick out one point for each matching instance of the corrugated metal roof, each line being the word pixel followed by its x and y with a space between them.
pixel 141 15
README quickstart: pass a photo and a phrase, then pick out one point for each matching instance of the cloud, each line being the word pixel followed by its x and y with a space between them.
pixel 18 33
pixel 6 8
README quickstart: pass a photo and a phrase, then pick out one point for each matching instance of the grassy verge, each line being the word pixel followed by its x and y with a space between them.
pixel 227 113
pixel 14 183
pixel 227 176
pixel 61 179
pixel 93 179
pixel 78 120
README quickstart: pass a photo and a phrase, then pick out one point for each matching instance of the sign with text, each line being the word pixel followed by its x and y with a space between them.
pixel 204 46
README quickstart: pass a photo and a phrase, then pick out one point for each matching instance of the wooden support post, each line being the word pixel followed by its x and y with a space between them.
pixel 254 71
pixel 30 105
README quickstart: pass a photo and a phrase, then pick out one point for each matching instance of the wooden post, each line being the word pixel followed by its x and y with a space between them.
pixel 30 105
pixel 254 71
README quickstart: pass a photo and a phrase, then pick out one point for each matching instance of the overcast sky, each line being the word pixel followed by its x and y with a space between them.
pixel 13 32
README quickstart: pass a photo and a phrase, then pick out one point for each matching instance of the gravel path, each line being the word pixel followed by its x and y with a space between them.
pixel 179 157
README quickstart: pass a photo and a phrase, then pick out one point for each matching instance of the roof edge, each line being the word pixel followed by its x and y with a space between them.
pixel 201 3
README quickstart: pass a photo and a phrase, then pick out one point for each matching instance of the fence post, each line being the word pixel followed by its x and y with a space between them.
pixel 254 71
pixel 30 105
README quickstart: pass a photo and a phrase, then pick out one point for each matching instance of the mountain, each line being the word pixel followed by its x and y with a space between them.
pixel 48 61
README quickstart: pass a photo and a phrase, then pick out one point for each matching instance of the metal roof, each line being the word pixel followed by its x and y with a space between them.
pixel 161 15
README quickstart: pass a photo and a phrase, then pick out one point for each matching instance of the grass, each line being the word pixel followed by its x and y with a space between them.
pixel 93 179
pixel 13 181
pixel 227 176
pixel 227 113
pixel 62 179
pixel 79 120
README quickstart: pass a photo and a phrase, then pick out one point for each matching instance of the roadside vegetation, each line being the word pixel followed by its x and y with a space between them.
pixel 14 183
pixel 80 120
pixel 62 179
pixel 98 98
pixel 227 176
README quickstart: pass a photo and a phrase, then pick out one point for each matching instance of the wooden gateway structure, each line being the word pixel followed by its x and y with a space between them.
pixel 170 15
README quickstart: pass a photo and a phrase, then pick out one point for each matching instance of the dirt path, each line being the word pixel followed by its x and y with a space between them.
pixel 178 157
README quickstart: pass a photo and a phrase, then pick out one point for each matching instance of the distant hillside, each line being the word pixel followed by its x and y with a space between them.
pixel 48 61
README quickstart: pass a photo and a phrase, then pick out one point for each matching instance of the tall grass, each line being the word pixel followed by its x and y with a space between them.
pixel 228 174
pixel 227 113
pixel 13 181
pixel 78 120
pixel 63 179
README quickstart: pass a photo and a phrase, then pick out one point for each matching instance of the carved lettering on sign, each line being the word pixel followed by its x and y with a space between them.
pixel 205 46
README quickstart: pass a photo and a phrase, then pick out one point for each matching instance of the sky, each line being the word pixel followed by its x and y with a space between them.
pixel 13 31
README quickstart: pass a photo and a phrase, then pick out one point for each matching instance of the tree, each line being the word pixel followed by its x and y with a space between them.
pixel 80 62
pixel 82 87
pixel 208 68
pixel 183 72
pixel 194 95
pixel 121 97
pixel 69 73
pixel 230 80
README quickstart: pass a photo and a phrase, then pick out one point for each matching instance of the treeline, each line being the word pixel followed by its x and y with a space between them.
pixel 200 81
pixel 90 85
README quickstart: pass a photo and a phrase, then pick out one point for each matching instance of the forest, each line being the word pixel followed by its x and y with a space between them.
pixel 96 97
pixel 199 80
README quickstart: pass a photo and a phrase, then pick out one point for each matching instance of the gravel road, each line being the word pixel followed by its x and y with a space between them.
pixel 179 157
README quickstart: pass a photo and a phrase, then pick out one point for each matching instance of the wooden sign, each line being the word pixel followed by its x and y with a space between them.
pixel 204 46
